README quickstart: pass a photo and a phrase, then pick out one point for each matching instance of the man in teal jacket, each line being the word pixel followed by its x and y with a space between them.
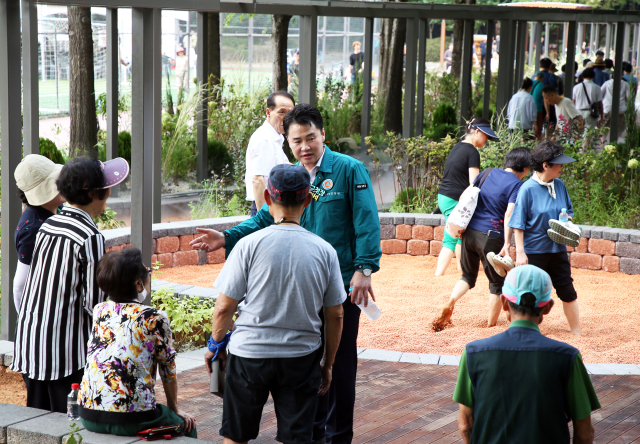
pixel 344 213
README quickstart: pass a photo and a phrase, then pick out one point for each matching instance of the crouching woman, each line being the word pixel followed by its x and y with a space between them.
pixel 128 340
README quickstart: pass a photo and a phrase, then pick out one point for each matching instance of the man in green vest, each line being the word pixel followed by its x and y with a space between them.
pixel 520 386
pixel 343 212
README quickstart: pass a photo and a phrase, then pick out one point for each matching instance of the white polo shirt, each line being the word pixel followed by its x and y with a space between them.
pixel 607 96
pixel 595 94
pixel 263 153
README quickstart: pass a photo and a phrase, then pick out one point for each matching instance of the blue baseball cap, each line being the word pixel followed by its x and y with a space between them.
pixel 527 279
pixel 287 178
pixel 487 130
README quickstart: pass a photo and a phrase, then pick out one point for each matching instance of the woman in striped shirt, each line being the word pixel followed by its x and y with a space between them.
pixel 60 291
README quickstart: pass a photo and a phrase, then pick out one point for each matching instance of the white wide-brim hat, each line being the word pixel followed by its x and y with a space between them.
pixel 36 176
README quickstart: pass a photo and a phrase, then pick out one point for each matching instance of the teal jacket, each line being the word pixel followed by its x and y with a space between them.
pixel 344 214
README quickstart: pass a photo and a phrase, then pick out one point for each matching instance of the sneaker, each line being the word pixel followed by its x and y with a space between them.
pixel 568 230
pixel 561 239
pixel 501 264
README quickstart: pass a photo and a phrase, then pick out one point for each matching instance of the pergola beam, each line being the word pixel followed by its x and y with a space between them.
pixel 465 75
pixel 202 64
pixel 486 99
pixel 30 77
pixel 308 53
pixel 422 55
pixel 617 84
pixel 113 65
pixel 409 113
pixel 366 80
pixel 570 69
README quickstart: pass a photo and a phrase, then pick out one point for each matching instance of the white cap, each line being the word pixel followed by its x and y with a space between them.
pixel 36 176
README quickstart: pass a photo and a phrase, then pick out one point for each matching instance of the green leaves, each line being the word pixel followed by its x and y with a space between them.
pixel 74 436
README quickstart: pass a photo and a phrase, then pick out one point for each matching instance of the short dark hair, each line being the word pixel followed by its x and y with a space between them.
pixel 303 114
pixel 22 197
pixel 599 53
pixel 81 180
pixel 271 100
pixel 588 73
pixel 527 306
pixel 564 67
pixel 527 83
pixel 627 67
pixel 545 152
pixel 608 63
pixel 549 89
pixel 118 272
pixel 518 159
pixel 585 62
pixel 545 63
pixel 288 200
pixel 476 121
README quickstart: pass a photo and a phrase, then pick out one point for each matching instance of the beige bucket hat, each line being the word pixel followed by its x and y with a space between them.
pixel 36 176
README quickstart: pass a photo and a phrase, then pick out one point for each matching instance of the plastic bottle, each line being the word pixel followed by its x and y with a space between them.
pixel 371 310
pixel 564 217
pixel 73 409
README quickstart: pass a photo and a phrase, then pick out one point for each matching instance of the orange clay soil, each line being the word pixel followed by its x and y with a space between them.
pixel 12 389
pixel 411 297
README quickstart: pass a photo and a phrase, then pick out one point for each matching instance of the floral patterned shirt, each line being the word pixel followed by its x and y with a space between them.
pixel 127 341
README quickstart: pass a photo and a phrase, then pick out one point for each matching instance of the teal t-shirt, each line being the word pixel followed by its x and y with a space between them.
pixel 534 207
pixel 536 92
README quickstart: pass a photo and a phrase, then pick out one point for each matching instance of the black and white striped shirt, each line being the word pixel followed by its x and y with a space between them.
pixel 58 298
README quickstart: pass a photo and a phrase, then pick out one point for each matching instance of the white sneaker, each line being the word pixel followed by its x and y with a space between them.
pixel 568 230
pixel 501 264
pixel 559 238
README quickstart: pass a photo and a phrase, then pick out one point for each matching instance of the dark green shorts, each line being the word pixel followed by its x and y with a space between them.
pixel 166 417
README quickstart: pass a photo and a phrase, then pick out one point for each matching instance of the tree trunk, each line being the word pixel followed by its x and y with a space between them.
pixel 385 40
pixel 280 33
pixel 458 31
pixel 83 132
pixel 393 103
pixel 214 69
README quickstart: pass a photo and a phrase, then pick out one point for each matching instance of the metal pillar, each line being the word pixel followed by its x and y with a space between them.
pixel 505 70
pixel 580 37
pixel 113 66
pixel 617 82
pixel 422 55
pixel 409 113
pixel 308 51
pixel 366 78
pixel 570 69
pixel 520 56
pixel 143 102
pixel 634 53
pixel 156 130
pixel 11 133
pixel 592 38
pixel 250 51
pixel 536 65
pixel 564 40
pixel 30 77
pixel 547 37
pixel 486 99
pixel 532 36
pixel 202 65
pixel 465 75
pixel 607 42
pixel 625 46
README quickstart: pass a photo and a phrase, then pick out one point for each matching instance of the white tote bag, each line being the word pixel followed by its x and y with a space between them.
pixel 463 212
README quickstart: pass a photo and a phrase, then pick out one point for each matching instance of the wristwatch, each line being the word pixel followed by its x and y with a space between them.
pixel 365 271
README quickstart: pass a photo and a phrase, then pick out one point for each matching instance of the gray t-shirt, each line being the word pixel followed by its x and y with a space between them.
pixel 288 274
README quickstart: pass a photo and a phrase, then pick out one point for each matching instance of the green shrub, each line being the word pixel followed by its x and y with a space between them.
pixel 480 110
pixel 445 113
pixel 443 130
pixel 183 158
pixel 218 158
pixel 49 150
pixel 124 146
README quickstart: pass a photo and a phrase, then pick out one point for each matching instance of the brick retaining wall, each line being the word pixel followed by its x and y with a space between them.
pixel 601 248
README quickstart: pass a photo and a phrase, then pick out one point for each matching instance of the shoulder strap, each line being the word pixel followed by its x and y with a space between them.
pixel 585 91
pixel 481 178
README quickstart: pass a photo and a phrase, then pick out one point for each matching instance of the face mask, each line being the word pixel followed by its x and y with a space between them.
pixel 142 296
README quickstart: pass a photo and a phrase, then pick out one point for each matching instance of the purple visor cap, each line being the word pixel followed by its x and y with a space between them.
pixel 115 171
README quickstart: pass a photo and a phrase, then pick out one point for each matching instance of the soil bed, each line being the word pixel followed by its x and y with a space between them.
pixel 411 297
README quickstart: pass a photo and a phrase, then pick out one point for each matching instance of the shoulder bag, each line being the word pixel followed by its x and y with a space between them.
pixel 463 212
pixel 594 109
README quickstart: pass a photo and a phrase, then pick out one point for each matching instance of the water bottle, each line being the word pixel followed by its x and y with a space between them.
pixel 73 409
pixel 564 217
pixel 371 310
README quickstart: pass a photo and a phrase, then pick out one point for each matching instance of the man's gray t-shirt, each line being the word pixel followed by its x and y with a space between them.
pixel 288 274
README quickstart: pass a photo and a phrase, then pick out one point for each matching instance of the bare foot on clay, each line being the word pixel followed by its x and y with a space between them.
pixel 444 319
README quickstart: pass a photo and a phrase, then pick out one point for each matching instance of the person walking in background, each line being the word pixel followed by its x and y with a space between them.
pixel 540 200
pixel 294 73
pixel 607 105
pixel 520 386
pixel 344 213
pixel 356 61
pixel 522 111
pixel 36 180
pixel 460 170
pixel 536 93
pixel 564 107
pixel 585 95
pixel 287 276
pixel 61 290
pixel 448 57
pixel 599 68
pixel 128 341
pixel 550 79
pixel 182 72
pixel 608 63
pixel 488 235
pixel 265 148
pixel 632 80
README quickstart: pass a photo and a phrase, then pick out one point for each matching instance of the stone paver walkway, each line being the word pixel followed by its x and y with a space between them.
pixel 402 402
